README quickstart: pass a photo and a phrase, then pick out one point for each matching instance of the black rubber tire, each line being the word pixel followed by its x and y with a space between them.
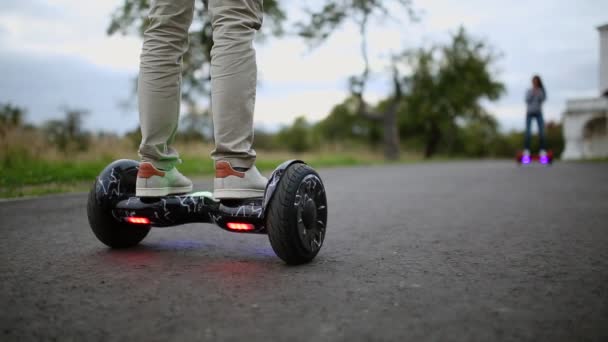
pixel 110 231
pixel 282 213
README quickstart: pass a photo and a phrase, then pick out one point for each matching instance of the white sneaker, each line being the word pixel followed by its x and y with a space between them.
pixel 232 184
pixel 542 153
pixel 526 153
pixel 152 182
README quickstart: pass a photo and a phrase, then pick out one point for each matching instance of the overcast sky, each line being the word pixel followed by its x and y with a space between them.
pixel 55 53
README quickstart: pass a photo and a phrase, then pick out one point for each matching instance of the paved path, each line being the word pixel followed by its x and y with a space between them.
pixel 429 252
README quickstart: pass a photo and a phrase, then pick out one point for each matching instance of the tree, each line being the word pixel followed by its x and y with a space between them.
pixel 325 21
pixel 447 85
pixel 11 115
pixel 68 134
pixel 344 124
pixel 297 137
pixel 477 137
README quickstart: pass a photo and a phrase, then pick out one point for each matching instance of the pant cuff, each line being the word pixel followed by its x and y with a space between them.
pixel 238 162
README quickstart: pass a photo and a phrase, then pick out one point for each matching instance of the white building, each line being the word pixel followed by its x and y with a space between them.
pixel 585 122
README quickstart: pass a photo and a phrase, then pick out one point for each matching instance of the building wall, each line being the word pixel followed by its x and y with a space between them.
pixel 595 137
pixel 603 81
pixel 585 123
pixel 584 127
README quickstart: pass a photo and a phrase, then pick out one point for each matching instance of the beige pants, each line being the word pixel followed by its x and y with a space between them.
pixel 233 78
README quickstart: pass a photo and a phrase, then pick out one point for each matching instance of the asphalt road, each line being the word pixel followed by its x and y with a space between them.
pixel 471 251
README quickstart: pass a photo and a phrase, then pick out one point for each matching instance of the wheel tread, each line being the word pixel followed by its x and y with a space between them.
pixel 284 242
pixel 112 233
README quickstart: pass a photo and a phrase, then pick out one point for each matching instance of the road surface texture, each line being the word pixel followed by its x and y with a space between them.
pixel 457 251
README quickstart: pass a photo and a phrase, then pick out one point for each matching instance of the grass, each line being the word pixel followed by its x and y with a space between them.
pixel 40 177
pixel 35 169
pixel 31 166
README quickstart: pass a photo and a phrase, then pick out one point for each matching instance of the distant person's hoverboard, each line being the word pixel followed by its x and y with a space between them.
pixel 523 159
pixel 292 212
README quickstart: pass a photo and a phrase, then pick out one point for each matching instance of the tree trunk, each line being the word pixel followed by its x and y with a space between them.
pixel 391 135
pixel 432 141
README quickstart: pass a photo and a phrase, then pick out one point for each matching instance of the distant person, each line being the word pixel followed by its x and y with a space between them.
pixel 535 97
pixel 233 88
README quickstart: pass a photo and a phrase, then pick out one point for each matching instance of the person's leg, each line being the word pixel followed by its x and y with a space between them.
pixel 158 90
pixel 541 131
pixel 233 78
pixel 233 90
pixel 159 94
pixel 527 134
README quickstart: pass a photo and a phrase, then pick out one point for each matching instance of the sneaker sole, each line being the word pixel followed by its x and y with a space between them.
pixel 159 192
pixel 237 193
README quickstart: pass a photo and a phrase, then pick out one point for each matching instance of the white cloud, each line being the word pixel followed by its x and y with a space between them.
pixel 76 29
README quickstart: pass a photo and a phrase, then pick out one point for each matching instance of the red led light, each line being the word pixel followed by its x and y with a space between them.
pixel 138 220
pixel 240 226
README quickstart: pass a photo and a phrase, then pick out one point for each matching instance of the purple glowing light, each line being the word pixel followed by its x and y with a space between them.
pixel 526 159
pixel 543 159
